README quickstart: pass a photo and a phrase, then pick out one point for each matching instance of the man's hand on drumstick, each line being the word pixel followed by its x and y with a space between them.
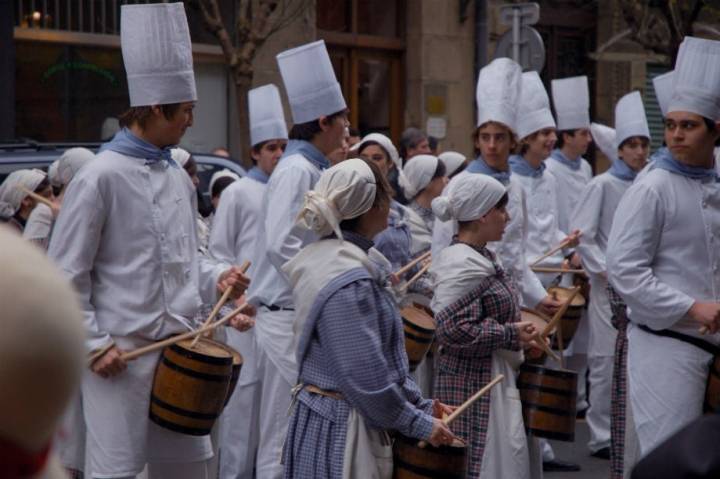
pixel 573 239
pixel 109 364
pixel 235 279
pixel 245 320
pixel 526 333
pixel 707 314
pixel 440 410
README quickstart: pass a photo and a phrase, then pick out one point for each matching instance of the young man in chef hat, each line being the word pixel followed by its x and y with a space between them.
pixel 320 121
pixel 126 238
pixel 234 238
pixel 663 255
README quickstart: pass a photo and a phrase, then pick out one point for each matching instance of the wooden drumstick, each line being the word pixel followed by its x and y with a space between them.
pixel 417 276
pixel 541 269
pixel 220 304
pixel 551 252
pixel 560 312
pixel 38 198
pixel 176 339
pixel 704 330
pixel 464 406
pixel 541 342
pixel 412 263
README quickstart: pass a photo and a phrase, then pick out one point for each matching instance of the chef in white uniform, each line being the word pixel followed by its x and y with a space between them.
pixel 234 238
pixel 127 240
pixel 662 256
pixel 320 120
pixel 571 98
pixel 594 215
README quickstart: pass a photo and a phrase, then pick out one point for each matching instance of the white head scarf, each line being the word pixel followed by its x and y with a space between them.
pixel 383 141
pixel 345 191
pixel 417 174
pixel 180 156
pixel 69 164
pixel 453 160
pixel 52 174
pixel 468 198
pixel 224 173
pixel 12 189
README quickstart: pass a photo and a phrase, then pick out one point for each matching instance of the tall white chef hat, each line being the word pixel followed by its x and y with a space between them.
pixel 157 53
pixel 696 83
pixel 417 174
pixel 534 108
pixel 498 92
pixel 453 160
pixel 41 349
pixel 571 98
pixel 344 191
pixel 267 119
pixel 630 119
pixel 604 138
pixel 468 198
pixel 663 85
pixel 383 141
pixel 312 89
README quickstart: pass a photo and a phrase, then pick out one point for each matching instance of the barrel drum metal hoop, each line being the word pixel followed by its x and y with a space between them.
pixel 413 462
pixel 419 329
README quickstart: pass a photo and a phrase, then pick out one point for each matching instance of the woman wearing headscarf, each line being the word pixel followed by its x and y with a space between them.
pixel 479 329
pixel 454 162
pixel 187 162
pixel 15 202
pixel 40 222
pixel 354 382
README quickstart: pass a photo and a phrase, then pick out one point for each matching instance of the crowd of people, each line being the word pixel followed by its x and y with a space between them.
pixel 344 233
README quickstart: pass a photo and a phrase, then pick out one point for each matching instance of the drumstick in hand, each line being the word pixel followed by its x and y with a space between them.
pixel 412 263
pixel 464 406
pixel 37 197
pixel 417 276
pixel 176 339
pixel 551 252
pixel 220 304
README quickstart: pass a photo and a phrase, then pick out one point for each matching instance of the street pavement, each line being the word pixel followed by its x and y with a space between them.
pixel 578 452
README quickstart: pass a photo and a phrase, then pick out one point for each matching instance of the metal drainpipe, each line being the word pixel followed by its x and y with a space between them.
pixel 481 35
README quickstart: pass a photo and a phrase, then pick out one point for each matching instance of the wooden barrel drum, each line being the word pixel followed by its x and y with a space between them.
pixel 571 319
pixel 712 390
pixel 419 328
pixel 548 401
pixel 413 462
pixel 236 368
pixel 191 386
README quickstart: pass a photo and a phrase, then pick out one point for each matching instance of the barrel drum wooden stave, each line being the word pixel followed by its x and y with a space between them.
pixel 413 462
pixel 548 400
pixel 571 319
pixel 419 331
pixel 236 368
pixel 191 386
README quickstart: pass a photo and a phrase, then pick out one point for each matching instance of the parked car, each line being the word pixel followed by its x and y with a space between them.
pixel 29 154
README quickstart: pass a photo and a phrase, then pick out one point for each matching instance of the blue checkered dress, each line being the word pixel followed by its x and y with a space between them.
pixel 353 344
pixel 394 241
pixel 469 331
pixel 619 385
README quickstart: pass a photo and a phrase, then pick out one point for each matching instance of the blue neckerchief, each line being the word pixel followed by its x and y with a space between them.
pixel 559 156
pixel 309 151
pixel 665 161
pixel 621 170
pixel 519 165
pixel 125 143
pixel 479 166
pixel 258 175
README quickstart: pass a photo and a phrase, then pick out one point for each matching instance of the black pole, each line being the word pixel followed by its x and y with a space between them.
pixel 7 70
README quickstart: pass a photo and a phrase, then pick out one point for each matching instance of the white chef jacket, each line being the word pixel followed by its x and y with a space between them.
pixel 542 218
pixel 570 187
pixel 510 250
pixel 594 215
pixel 237 223
pixel 126 238
pixel 663 253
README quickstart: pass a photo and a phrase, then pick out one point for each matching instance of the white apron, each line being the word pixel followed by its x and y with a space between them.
pixel 368 452
pixel 506 446
pixel 116 415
